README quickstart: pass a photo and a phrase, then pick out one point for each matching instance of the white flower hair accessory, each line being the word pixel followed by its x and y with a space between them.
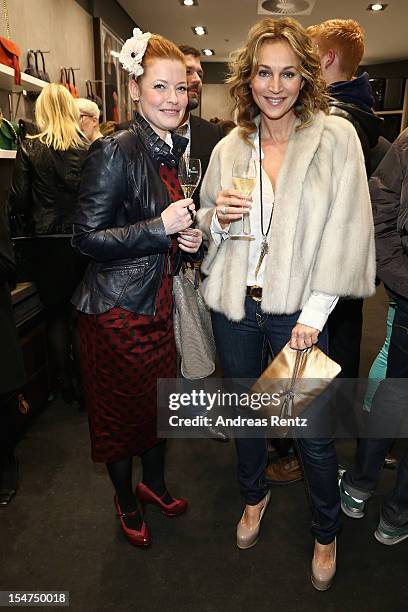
pixel 133 51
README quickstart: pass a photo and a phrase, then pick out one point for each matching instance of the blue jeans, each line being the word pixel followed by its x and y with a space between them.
pixel 243 349
pixel 388 406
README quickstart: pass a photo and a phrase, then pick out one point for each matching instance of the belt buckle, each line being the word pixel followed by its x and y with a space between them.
pixel 255 293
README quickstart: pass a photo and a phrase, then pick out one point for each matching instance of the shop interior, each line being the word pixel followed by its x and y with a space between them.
pixel 56 535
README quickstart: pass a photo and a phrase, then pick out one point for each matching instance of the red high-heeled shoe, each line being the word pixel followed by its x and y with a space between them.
pixel 134 537
pixel 147 496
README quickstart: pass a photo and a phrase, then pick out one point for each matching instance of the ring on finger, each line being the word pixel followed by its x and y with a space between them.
pixel 224 210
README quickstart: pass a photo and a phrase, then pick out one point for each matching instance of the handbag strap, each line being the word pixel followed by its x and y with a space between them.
pixel 42 59
pixel 30 56
pixel 63 76
pixel 73 76
pixel 6 19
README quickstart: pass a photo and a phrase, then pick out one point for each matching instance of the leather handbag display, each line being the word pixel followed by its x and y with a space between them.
pixel 9 133
pixel 9 52
pixel 192 327
pixel 42 72
pixel 296 378
pixel 32 64
pixel 66 74
pixel 93 96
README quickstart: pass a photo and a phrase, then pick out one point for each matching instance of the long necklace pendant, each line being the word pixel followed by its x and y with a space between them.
pixel 264 251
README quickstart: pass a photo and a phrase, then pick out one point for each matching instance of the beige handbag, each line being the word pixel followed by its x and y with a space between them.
pixel 192 327
pixel 295 378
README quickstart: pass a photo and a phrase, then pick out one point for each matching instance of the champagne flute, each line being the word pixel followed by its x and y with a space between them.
pixel 189 174
pixel 244 180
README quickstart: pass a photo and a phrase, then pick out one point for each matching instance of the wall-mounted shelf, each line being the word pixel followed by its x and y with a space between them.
pixel 7 154
pixel 28 82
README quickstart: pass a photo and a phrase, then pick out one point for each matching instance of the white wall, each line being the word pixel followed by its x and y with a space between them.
pixel 61 26
pixel 215 102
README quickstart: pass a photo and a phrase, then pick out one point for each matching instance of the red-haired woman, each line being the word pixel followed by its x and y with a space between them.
pixel 131 208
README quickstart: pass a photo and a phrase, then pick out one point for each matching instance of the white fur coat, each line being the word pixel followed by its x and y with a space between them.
pixel 322 234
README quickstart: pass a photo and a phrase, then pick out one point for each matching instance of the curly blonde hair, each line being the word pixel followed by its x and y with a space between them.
pixel 244 64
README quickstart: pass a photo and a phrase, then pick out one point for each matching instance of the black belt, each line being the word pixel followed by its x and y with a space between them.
pixel 254 292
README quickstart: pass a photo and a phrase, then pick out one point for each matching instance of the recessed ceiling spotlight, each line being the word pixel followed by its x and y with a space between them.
pixel 199 30
pixel 377 7
pixel 189 2
pixel 208 51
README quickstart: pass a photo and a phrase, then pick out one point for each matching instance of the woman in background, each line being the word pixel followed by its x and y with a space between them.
pixel 44 188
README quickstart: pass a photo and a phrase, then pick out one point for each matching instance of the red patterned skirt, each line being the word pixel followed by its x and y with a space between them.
pixel 122 355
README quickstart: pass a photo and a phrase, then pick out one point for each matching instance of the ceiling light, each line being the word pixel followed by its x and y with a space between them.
pixel 189 2
pixel 376 7
pixel 208 51
pixel 199 30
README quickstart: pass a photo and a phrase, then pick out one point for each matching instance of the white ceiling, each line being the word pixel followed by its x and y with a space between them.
pixel 228 22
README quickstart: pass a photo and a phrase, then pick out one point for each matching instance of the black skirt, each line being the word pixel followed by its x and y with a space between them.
pixel 57 270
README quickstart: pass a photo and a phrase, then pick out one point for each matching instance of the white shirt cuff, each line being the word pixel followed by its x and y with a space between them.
pixel 317 309
pixel 218 233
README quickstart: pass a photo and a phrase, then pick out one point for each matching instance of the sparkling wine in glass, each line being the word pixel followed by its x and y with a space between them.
pixel 189 174
pixel 244 180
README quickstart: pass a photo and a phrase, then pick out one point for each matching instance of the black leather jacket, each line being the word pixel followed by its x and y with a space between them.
pixel 45 187
pixel 119 224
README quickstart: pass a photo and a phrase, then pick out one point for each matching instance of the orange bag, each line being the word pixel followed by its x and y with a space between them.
pixel 10 56
pixel 9 52
pixel 65 80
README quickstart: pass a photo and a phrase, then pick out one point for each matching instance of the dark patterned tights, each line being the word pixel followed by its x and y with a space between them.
pixel 120 473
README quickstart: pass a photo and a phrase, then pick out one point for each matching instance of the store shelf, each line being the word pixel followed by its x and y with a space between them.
pixel 7 154
pixel 28 82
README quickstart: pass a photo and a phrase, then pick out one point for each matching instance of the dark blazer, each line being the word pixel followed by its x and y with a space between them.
pixel 11 361
pixel 119 224
pixel 45 186
pixel 204 137
pixel 389 197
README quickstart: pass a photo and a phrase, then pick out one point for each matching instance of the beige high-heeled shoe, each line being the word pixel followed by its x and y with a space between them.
pixel 322 577
pixel 248 536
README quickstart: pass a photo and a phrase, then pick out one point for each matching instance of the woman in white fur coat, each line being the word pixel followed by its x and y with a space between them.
pixel 311 217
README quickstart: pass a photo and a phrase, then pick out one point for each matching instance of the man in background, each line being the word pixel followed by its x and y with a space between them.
pixel 89 119
pixel 340 45
pixel 202 135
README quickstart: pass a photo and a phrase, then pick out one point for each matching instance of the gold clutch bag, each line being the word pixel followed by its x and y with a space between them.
pixel 292 381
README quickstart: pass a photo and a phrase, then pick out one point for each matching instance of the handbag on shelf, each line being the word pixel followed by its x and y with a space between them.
pixel 42 72
pixel 192 326
pixel 32 64
pixel 91 95
pixel 296 378
pixel 9 135
pixel 32 70
pixel 65 80
pixel 9 51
